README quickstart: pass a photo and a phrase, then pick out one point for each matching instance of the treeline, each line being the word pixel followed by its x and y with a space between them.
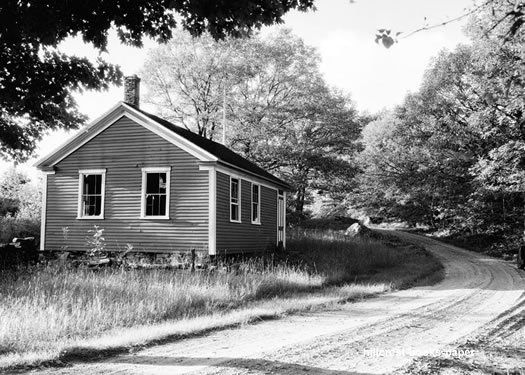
pixel 452 156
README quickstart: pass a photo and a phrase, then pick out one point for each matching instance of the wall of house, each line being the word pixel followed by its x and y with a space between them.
pixel 123 149
pixel 245 237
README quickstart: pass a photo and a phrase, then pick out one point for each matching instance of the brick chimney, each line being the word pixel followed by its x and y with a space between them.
pixel 132 90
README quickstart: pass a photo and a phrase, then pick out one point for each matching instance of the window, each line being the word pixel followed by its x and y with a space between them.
pixel 155 193
pixel 235 200
pixel 91 186
pixel 256 204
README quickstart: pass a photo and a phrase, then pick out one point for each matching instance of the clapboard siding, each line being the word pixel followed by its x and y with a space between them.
pixel 124 149
pixel 245 237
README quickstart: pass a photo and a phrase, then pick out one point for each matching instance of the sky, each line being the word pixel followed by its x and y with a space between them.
pixel 343 31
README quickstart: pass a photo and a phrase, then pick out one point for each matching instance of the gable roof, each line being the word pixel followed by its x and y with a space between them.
pixel 204 149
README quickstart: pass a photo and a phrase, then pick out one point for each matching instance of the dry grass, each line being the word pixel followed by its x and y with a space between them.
pixel 363 260
pixel 48 313
pixel 340 259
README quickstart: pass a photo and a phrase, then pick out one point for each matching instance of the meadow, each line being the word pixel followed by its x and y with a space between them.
pixel 52 312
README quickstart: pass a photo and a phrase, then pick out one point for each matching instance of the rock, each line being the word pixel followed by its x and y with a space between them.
pixel 98 262
pixel 357 230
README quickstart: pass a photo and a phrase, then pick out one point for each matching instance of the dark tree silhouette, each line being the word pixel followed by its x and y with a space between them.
pixel 36 80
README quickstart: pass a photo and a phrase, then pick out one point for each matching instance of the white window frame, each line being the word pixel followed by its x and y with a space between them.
pixel 258 221
pixel 80 211
pixel 145 171
pixel 239 196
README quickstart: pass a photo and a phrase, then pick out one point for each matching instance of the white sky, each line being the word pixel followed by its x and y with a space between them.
pixel 343 32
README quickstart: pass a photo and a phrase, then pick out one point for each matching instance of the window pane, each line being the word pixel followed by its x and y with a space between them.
pixel 85 202
pixel 255 193
pixel 97 205
pixel 92 184
pixel 152 185
pixel 255 213
pixel 149 204
pixel 98 184
pixel 234 190
pixel 162 205
pixel 234 212
pixel 155 205
pixel 162 183
pixel 156 183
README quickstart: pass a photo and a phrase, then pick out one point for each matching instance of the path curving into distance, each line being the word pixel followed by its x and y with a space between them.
pixel 374 336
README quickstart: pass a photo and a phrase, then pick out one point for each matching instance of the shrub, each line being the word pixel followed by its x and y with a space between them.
pixel 20 205
pixel 18 226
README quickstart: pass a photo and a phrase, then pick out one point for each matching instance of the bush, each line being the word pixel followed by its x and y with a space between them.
pixel 20 205
pixel 18 226
pixel 19 255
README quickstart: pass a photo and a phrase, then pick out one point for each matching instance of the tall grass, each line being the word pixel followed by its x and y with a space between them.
pixel 48 304
pixel 340 259
pixel 47 309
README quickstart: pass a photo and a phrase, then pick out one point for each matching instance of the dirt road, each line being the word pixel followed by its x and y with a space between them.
pixel 481 299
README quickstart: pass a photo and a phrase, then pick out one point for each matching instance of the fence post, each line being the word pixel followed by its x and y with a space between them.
pixel 193 256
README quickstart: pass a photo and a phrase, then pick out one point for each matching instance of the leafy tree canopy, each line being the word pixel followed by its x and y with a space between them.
pixel 452 155
pixel 506 21
pixel 36 80
pixel 278 109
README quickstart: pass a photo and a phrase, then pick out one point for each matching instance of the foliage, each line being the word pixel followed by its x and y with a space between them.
pixel 186 79
pixel 279 111
pixel 20 206
pixel 505 21
pixel 95 242
pixel 452 155
pixel 335 224
pixel 36 80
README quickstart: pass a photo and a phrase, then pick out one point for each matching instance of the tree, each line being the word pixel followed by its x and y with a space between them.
pixel 187 80
pixel 280 112
pixel 452 154
pixel 36 80
pixel 504 20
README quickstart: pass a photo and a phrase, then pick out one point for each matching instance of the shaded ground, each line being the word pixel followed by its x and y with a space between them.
pixel 479 305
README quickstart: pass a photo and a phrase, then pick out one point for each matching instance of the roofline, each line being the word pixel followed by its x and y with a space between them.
pixel 122 109
pixel 277 181
pixel 113 115
pixel 40 163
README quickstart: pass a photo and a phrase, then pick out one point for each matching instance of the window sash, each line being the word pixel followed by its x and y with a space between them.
pixel 155 204
pixel 155 193
pixel 235 199
pixel 92 205
pixel 256 204
pixel 91 188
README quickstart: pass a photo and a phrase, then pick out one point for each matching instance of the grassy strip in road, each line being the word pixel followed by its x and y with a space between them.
pixel 50 315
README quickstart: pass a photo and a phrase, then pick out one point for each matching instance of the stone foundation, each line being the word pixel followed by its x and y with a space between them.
pixel 135 259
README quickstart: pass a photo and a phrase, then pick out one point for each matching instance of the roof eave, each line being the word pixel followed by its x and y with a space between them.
pixel 276 181
pixel 46 162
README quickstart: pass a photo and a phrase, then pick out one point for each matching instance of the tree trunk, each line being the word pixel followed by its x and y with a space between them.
pixel 299 201
pixel 523 214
